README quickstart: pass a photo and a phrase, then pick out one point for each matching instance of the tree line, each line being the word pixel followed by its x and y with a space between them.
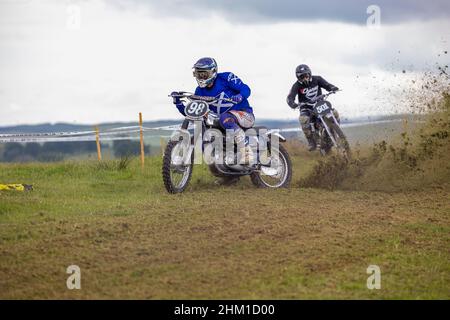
pixel 57 151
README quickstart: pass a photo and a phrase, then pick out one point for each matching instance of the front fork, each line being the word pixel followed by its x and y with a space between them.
pixel 327 128
pixel 186 141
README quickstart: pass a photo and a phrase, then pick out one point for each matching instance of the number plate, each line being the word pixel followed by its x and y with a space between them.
pixel 196 109
pixel 322 107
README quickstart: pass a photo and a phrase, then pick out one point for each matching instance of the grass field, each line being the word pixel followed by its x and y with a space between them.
pixel 133 240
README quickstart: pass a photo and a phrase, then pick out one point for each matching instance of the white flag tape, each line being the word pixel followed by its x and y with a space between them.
pixel 69 133
pixel 66 139
pixel 46 134
pixel 79 135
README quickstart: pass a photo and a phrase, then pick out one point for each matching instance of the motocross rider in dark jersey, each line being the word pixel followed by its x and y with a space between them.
pixel 306 88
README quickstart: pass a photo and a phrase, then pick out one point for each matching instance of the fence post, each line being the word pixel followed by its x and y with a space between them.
pixel 142 141
pixel 97 139
pixel 405 124
pixel 162 143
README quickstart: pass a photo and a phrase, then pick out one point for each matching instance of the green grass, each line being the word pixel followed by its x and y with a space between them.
pixel 133 240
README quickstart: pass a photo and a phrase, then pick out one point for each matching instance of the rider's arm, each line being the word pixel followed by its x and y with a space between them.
pixel 179 104
pixel 326 85
pixel 237 85
pixel 180 107
pixel 291 96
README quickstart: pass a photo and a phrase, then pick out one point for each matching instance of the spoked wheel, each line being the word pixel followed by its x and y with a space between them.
pixel 343 147
pixel 326 144
pixel 278 175
pixel 176 174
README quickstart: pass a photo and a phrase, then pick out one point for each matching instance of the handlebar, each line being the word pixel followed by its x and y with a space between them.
pixel 181 94
pixel 321 97
pixel 191 96
pixel 325 95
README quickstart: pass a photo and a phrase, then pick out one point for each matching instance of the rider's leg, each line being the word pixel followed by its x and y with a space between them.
pixel 233 121
pixel 245 120
pixel 305 123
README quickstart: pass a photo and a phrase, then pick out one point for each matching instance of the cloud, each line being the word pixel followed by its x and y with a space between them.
pixel 269 11
pixel 121 62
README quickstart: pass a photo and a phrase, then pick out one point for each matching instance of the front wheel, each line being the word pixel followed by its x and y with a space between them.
pixel 325 143
pixel 176 174
pixel 278 175
pixel 343 147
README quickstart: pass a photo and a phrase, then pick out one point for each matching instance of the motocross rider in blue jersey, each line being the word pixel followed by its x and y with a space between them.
pixel 235 116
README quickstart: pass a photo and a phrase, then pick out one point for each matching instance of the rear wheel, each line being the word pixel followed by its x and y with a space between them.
pixel 278 175
pixel 176 174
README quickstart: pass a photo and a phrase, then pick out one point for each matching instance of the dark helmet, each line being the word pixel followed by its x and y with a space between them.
pixel 205 71
pixel 303 73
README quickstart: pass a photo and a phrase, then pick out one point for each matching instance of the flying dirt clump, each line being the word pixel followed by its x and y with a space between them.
pixel 413 161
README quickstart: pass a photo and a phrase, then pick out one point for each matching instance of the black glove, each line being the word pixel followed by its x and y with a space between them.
pixel 176 100
pixel 334 89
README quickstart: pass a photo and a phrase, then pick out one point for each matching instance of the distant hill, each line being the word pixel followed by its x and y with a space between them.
pixel 69 127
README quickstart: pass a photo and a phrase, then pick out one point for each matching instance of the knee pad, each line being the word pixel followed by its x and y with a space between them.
pixel 244 119
pixel 228 121
pixel 304 120
pixel 305 123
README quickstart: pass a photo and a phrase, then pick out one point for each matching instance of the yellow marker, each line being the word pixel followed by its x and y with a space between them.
pixel 16 187
pixel 97 139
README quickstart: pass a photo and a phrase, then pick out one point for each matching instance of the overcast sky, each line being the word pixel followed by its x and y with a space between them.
pixel 101 61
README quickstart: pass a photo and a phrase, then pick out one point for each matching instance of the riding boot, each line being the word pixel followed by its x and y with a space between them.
pixel 227 181
pixel 245 150
pixel 311 142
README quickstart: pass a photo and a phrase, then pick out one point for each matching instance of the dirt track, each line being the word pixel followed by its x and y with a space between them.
pixel 296 243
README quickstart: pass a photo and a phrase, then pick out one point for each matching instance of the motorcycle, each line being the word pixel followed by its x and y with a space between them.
pixel 272 167
pixel 326 129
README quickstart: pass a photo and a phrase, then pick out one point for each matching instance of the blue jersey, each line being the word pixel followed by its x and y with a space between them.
pixel 227 85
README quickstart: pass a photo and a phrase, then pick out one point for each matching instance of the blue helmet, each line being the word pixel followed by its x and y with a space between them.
pixel 205 71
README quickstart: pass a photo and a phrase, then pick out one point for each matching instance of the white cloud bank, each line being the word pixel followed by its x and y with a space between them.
pixel 121 62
